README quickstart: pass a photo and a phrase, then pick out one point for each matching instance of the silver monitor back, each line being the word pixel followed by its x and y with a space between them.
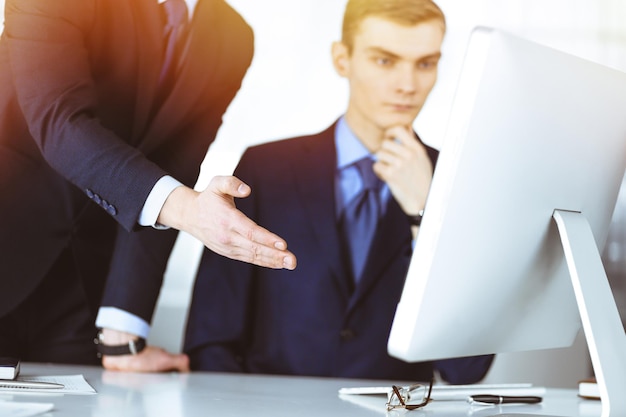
pixel 532 130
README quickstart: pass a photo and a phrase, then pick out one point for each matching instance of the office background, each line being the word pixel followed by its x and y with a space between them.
pixel 291 89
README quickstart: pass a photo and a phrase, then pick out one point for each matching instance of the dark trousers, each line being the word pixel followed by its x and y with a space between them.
pixel 55 323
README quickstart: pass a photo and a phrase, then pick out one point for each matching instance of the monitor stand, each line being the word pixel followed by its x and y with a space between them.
pixel 598 312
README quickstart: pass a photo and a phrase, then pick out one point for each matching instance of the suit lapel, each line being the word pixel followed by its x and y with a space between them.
pixel 149 42
pixel 190 81
pixel 217 53
pixel 315 183
pixel 210 65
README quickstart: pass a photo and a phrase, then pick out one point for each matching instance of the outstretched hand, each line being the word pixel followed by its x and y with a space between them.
pixel 212 217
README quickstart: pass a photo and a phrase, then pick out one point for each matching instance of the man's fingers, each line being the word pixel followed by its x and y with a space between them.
pixel 151 359
pixel 263 248
pixel 401 134
pixel 229 185
pixel 230 233
pixel 174 362
pixel 256 254
pixel 254 244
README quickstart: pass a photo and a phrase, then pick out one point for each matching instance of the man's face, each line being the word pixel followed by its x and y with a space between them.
pixel 391 71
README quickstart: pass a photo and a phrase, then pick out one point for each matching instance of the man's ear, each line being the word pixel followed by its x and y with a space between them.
pixel 340 58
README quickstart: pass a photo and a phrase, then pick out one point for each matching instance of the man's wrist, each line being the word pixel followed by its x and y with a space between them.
pixel 172 212
pixel 155 201
pixel 121 321
pixel 113 343
pixel 415 219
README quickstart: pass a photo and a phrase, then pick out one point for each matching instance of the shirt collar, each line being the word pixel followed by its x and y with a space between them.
pixel 191 4
pixel 349 147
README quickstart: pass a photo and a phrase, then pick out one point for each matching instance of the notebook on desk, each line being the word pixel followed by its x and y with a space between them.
pixel 9 367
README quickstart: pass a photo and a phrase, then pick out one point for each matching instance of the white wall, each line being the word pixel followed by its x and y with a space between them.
pixel 291 89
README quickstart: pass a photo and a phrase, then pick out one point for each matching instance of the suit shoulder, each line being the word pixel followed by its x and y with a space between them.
pixel 284 147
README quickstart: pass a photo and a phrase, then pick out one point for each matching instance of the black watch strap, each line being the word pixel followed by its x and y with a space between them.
pixel 133 347
pixel 415 219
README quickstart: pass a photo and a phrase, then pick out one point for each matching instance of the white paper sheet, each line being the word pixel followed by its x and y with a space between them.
pixel 74 384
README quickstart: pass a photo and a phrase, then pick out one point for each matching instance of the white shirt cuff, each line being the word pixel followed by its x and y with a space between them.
pixel 156 199
pixel 120 320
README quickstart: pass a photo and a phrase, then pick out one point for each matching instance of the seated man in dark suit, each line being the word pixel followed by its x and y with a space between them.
pixel 332 315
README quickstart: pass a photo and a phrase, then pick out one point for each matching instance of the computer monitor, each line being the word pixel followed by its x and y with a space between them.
pixel 525 186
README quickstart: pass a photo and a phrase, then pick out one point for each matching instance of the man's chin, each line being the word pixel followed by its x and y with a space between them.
pixel 398 121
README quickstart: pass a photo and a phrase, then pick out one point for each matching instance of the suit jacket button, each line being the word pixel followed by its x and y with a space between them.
pixel 111 210
pixel 89 193
pixel 97 199
pixel 347 335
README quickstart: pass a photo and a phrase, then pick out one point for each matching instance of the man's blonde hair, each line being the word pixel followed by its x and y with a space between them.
pixel 404 12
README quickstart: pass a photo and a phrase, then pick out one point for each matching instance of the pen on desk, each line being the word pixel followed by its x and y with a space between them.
pixel 13 383
pixel 503 399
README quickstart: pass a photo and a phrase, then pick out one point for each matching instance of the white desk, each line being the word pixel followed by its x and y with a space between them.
pixel 223 395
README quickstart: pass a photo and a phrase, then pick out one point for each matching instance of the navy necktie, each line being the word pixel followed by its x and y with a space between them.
pixel 177 16
pixel 361 216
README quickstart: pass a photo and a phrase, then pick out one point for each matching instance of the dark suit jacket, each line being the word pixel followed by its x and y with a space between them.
pixel 307 321
pixel 84 136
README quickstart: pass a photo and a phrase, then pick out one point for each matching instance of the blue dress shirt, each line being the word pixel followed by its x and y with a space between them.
pixel 348 181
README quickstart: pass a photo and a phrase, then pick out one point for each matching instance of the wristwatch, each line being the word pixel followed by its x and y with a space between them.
pixel 133 347
pixel 415 219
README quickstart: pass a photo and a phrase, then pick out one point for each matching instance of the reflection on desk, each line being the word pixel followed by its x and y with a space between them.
pixel 214 394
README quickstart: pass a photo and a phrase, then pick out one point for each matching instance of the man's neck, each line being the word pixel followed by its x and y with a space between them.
pixel 370 135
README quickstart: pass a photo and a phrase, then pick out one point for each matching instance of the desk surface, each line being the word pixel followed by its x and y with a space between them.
pixel 224 395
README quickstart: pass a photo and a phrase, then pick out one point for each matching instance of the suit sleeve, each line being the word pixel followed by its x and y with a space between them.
pixel 50 63
pixel 219 323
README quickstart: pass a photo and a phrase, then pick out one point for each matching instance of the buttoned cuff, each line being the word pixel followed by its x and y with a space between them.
pixel 123 321
pixel 155 201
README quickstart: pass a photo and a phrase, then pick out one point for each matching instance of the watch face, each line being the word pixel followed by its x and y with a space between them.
pixel 416 219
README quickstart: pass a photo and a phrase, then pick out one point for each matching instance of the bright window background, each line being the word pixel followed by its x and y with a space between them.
pixel 291 89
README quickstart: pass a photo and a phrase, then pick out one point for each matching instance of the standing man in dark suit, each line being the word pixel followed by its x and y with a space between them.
pixel 107 109
pixel 332 316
